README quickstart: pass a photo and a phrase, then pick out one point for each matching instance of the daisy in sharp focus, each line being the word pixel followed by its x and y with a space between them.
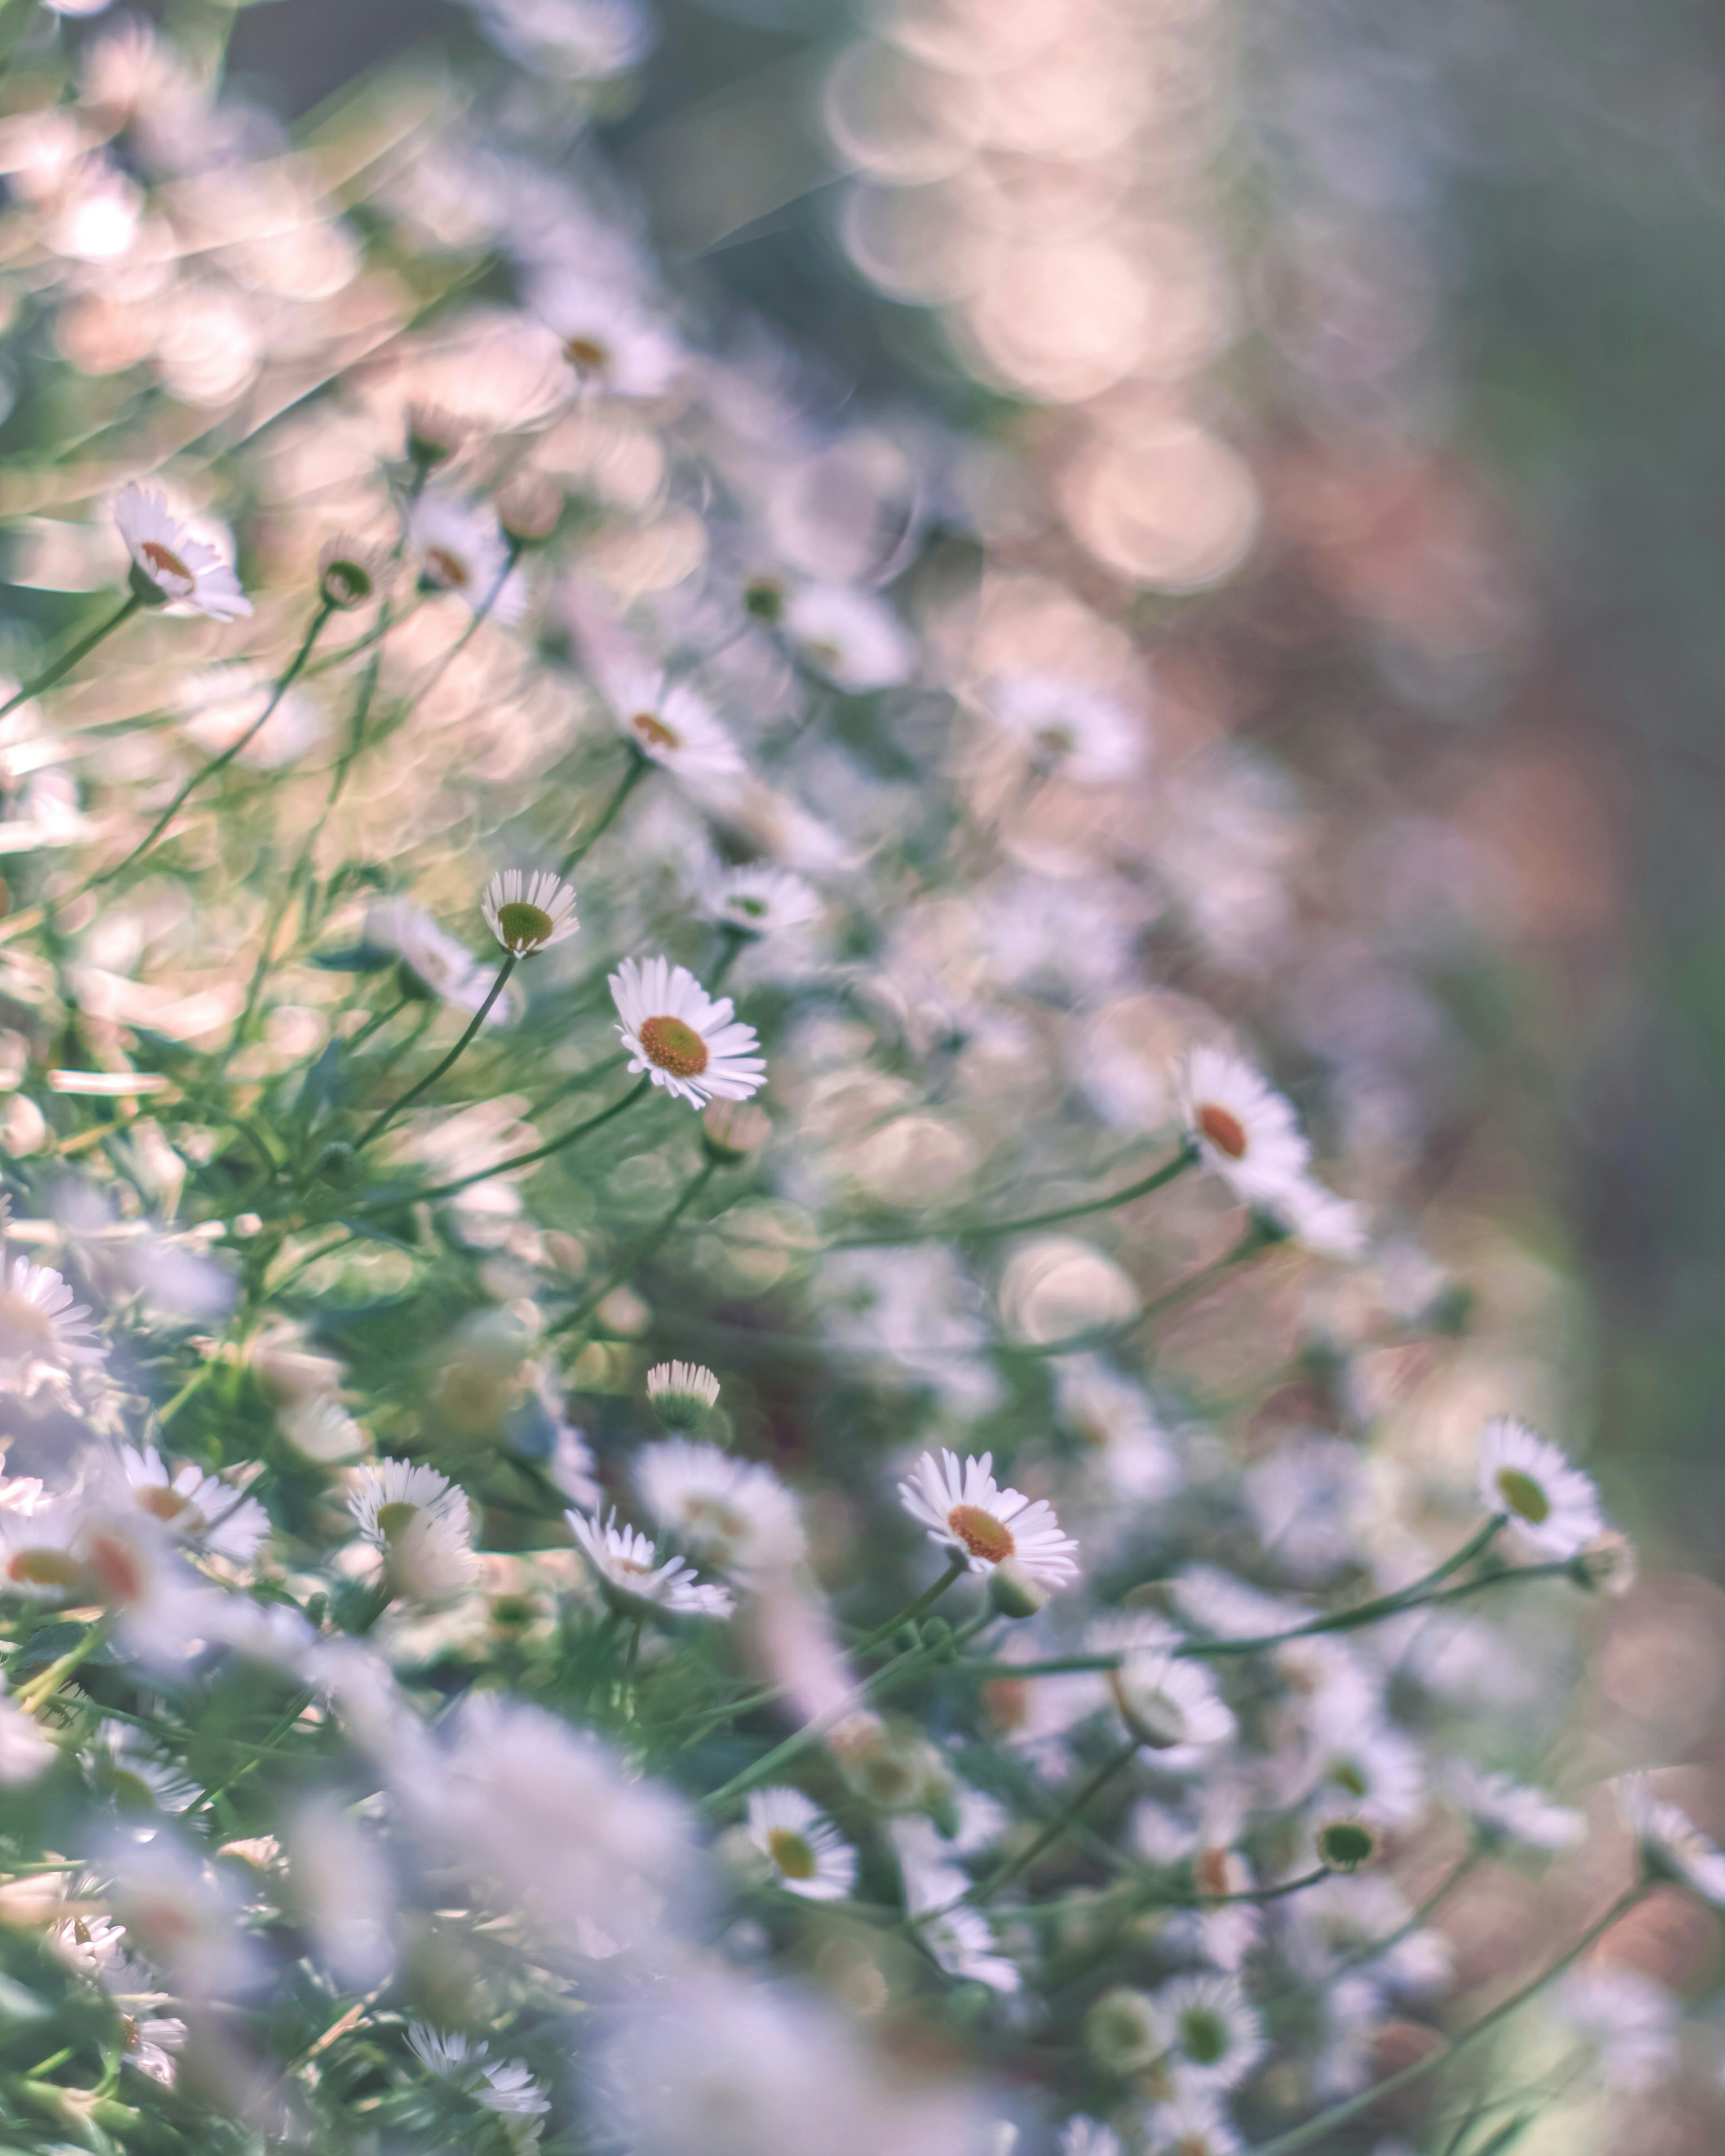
pixel 1243 1130
pixel 634 1582
pixel 1672 1845
pixel 41 1327
pixel 529 913
pixel 734 1513
pixel 169 567
pixel 806 1850
pixel 1551 1504
pixel 966 1511
pixel 680 1037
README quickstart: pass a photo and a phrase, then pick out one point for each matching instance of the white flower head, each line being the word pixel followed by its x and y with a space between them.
pixel 442 966
pixel 418 1520
pixel 1211 2036
pixel 1087 2136
pixel 616 347
pixel 852 637
pixel 734 1514
pixel 1672 1845
pixel 451 2056
pixel 1551 1504
pixel 762 901
pixel 682 1395
pixel 152 2045
pixel 1634 2023
pixel 966 1511
pixel 1194 2124
pixel 633 1582
pixel 682 1039
pixel 42 1327
pixel 169 567
pixel 1506 1811
pixel 1168 1704
pixel 193 1507
pixel 1243 1130
pixel 808 1854
pixel 962 1940
pixel 673 725
pixel 529 913
pixel 1066 728
pixel 460 549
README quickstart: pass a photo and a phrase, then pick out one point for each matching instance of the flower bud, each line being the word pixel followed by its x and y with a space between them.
pixel 530 507
pixel 434 434
pixel 1347 1845
pixel 1121 2031
pixel 1014 1593
pixel 731 1130
pixel 338 1164
pixel 348 574
pixel 1607 1566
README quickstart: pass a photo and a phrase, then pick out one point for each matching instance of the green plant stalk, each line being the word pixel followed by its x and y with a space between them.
pixel 58 668
pixel 380 1123
pixel 641 1252
pixel 638 766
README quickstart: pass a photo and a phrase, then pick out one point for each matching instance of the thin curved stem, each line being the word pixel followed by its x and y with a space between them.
pixel 1319 2128
pixel 382 1121
pixel 639 766
pixel 640 1251
pixel 58 668
pixel 960 1231
pixel 1056 1828
pixel 284 682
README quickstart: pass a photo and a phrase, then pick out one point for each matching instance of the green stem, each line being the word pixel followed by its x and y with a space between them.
pixel 43 1687
pixel 380 1123
pixel 516 1160
pixel 960 1231
pixel 638 766
pixel 1319 2128
pixel 1056 1828
pixel 641 1252
pixel 284 682
pixel 955 1569
pixel 58 668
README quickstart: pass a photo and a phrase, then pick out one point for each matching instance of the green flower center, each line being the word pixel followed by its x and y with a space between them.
pixel 791 1853
pixel 1203 2035
pixel 674 1046
pixel 524 928
pixel 395 1519
pixel 1345 1845
pixel 1523 1495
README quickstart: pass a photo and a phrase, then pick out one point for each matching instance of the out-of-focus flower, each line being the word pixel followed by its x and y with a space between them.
pixel 169 567
pixel 680 1038
pixel 1672 1845
pixel 417 1520
pixel 732 1513
pixel 1244 1131
pixel 42 1327
pixel 460 549
pixel 852 637
pixel 762 902
pixel 193 1507
pixel 1212 2038
pixel 615 346
pixel 1551 1504
pixel 447 968
pixel 1632 2023
pixel 578 40
pixel 1506 1810
pixel 622 1561
pixel 682 1395
pixel 806 1850
pixel 1066 729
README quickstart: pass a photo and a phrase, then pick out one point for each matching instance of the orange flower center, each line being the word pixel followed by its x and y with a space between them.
pixel 791 1853
pixel 42 1567
pixel 449 568
pixel 675 1047
pixel 161 1502
pixel 1224 1129
pixel 25 1328
pixel 114 1565
pixel 164 561
pixel 1008 1701
pixel 654 733
pixel 1212 1870
pixel 981 1533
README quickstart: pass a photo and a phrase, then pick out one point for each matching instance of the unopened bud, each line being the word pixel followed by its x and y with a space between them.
pixel 529 508
pixel 348 574
pixel 1347 1845
pixel 731 1130
pixel 1607 1566
pixel 338 1164
pixel 1014 1593
pixel 434 434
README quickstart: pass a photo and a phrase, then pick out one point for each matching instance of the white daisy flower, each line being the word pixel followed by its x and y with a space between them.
pixel 1332 1226
pixel 1506 1811
pixel 852 637
pixel 420 1523
pixel 734 1514
pixel 631 1579
pixel 673 725
pixel 1552 1505
pixel 966 1511
pixel 682 1395
pixel 680 1037
pixel 529 913
pixel 762 901
pixel 152 2044
pixel 460 548
pixel 1195 2124
pixel 447 968
pixel 1170 1704
pixel 1086 2137
pixel 962 1941
pixel 41 1326
pixel 1245 1131
pixel 1211 2036
pixel 506 2086
pixel 1073 732
pixel 193 1507
pixel 808 1854
pixel 1671 1843
pixel 169 567
pixel 1634 2023
pixel 615 345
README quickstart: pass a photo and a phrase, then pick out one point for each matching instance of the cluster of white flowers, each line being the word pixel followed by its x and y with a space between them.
pixel 476 1672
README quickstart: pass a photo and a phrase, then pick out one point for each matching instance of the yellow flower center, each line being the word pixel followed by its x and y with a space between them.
pixel 1224 1129
pixel 42 1567
pixel 525 927
pixel 653 733
pixel 586 354
pixel 675 1047
pixel 25 1328
pixel 163 562
pixel 1523 1495
pixel 791 1853
pixel 1056 741
pixel 161 1503
pixel 981 1533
